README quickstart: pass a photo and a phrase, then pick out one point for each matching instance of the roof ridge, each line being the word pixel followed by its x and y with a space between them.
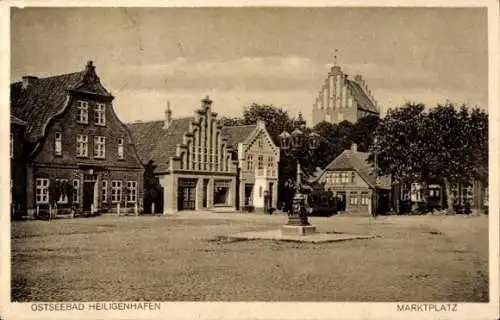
pixel 51 77
pixel 243 125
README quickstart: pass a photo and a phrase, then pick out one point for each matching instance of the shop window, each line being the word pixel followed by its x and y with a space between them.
pixel 221 192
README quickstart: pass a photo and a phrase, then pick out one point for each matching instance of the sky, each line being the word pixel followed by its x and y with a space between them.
pixel 238 56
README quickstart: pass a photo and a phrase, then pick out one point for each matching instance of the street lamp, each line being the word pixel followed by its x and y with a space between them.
pixel 297 217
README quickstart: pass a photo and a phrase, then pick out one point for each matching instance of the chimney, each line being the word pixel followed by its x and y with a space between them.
pixel 168 116
pixel 358 78
pixel 28 80
pixel 261 124
pixel 354 147
pixel 206 103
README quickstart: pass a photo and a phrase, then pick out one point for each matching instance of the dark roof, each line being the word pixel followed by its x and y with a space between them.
pixel 43 98
pixel 358 161
pixel 17 121
pixel 237 134
pixel 157 144
pixel 361 98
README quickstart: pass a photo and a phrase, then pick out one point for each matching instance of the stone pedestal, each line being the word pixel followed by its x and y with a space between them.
pixel 297 230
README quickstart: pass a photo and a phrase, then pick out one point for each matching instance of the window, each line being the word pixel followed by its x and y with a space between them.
pixel 62 198
pixel 336 178
pixel 132 191
pixel 104 193
pixel 120 148
pixel 82 145
pixel 340 117
pixel 58 143
pixel 260 192
pixel 353 176
pixel 116 191
pixel 99 147
pixel 353 198
pixel 42 190
pixel 270 162
pixel 485 198
pixel 100 114
pixel 364 198
pixel 76 187
pixel 467 192
pixel 249 162
pixel 83 112
pixel 260 163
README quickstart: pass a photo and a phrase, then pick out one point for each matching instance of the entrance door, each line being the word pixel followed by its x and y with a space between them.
pixel 88 195
pixel 271 187
pixel 204 203
pixel 341 201
pixel 186 194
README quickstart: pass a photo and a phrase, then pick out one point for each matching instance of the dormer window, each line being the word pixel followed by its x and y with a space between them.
pixel 58 144
pixel 120 148
pixel 100 114
pixel 83 111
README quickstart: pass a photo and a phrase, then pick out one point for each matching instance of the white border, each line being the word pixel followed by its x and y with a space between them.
pixel 261 310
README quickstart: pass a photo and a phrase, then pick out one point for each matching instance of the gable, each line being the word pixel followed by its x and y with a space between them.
pixel 41 99
pixel 261 140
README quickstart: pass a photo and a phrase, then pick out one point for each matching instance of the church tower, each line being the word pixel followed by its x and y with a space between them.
pixel 343 99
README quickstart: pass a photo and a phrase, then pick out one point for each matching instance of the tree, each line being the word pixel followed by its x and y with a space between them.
pixel 444 143
pixel 363 131
pixel 235 121
pixel 277 120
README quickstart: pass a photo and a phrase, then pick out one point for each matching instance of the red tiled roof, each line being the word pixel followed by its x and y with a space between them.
pixel 358 161
pixel 237 134
pixel 43 98
pixel 155 143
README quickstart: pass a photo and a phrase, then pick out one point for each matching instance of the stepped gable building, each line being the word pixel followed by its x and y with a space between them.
pixel 343 99
pixel 189 162
pixel 73 134
pixel 352 180
pixel 258 159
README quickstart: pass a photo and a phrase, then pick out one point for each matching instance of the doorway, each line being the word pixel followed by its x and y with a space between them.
pixel 186 194
pixel 89 181
pixel 204 203
pixel 341 201
pixel 271 187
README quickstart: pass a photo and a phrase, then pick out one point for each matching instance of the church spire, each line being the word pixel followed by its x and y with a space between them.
pixel 335 58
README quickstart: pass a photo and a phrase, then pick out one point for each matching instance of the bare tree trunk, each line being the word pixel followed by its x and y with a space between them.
pixel 449 200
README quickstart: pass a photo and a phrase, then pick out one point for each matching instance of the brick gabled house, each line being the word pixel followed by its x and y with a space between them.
pixel 188 161
pixel 73 134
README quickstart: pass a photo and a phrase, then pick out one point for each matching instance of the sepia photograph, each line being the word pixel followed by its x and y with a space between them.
pixel 251 154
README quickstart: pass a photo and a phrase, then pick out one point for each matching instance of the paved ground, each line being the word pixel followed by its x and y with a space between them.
pixel 186 257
